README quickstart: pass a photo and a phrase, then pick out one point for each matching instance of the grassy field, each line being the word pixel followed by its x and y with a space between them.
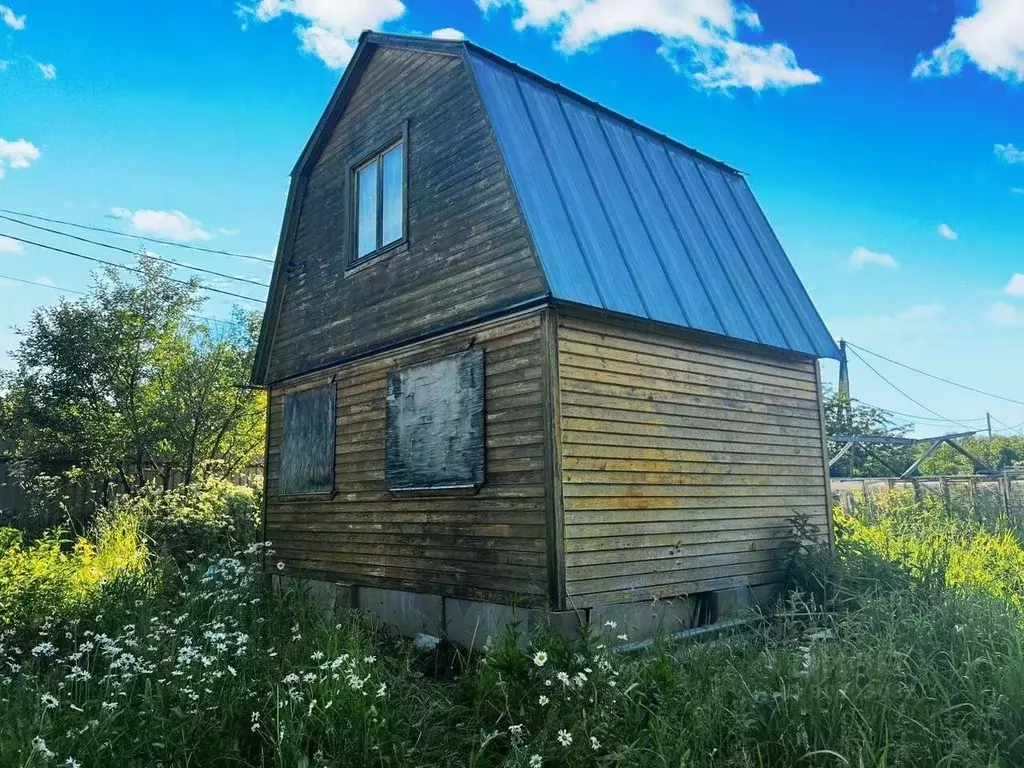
pixel 156 642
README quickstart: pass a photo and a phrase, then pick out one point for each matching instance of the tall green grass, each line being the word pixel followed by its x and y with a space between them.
pixel 891 654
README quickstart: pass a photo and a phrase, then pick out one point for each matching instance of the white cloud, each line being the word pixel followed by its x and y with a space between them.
pixel 1008 153
pixel 947 232
pixel 448 33
pixel 1004 314
pixel 697 37
pixel 920 312
pixel 45 280
pixel 229 232
pixel 1017 190
pixel 10 19
pixel 49 70
pixel 914 322
pixel 173 225
pixel 9 246
pixel 17 154
pixel 1016 285
pixel 327 28
pixel 4 64
pixel 861 256
pixel 993 39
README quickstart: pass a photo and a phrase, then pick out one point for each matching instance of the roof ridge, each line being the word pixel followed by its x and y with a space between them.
pixel 382 37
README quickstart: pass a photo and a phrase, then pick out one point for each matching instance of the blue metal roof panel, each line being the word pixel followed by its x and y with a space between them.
pixel 662 229
pixel 821 340
pixel 567 272
pixel 592 228
pixel 630 221
pixel 765 278
pixel 616 201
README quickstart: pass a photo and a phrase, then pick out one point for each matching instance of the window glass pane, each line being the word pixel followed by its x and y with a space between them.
pixel 366 224
pixel 393 208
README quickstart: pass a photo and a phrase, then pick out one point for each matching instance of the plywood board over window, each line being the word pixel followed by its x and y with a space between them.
pixel 307 450
pixel 435 424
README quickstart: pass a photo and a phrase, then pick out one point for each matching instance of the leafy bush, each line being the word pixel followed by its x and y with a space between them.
pixel 937 548
pixel 209 516
pixel 54 577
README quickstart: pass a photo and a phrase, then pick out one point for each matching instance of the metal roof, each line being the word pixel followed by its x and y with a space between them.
pixel 628 220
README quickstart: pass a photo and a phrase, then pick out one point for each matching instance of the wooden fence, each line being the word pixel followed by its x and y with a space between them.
pixel 984 497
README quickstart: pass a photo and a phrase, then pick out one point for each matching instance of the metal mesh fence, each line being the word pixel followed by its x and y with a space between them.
pixel 986 498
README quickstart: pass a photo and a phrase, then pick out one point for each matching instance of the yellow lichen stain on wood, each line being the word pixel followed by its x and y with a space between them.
pixel 683 462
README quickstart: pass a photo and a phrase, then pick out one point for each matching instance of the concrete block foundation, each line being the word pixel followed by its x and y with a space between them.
pixel 410 613
pixel 470 623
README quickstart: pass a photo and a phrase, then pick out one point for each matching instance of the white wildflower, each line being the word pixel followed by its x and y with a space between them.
pixel 622 637
pixel 540 658
pixel 44 649
pixel 49 700
pixel 516 731
pixel 611 624
pixel 38 745
pixel 382 691
pixel 543 700
pixel 563 678
pixel 594 743
pixel 564 738
pixel 72 763
pixel 316 655
pixel 536 761
pixel 369 659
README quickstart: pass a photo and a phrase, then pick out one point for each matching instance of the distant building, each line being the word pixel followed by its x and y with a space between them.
pixel 522 351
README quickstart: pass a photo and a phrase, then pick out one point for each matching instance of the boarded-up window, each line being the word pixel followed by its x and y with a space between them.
pixel 307 450
pixel 435 424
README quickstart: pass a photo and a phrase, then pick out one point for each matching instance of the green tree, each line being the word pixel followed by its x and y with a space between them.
pixel 847 416
pixel 125 386
pixel 998 452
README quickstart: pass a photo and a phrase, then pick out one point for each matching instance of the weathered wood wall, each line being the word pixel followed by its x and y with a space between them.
pixel 467 252
pixel 682 463
pixel 488 546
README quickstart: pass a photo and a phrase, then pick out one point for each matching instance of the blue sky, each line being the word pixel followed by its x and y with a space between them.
pixel 865 126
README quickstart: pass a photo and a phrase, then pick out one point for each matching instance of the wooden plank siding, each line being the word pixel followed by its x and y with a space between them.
pixel 467 254
pixel 681 462
pixel 488 546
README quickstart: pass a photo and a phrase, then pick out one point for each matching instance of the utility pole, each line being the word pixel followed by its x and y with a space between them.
pixel 988 416
pixel 844 371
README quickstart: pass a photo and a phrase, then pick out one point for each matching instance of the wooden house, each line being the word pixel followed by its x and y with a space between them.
pixel 525 354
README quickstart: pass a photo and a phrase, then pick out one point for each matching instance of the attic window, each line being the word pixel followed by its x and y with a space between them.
pixel 380 200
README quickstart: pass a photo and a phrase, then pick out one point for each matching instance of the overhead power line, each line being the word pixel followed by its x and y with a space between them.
pixel 1007 427
pixel 125 267
pixel 911 399
pixel 932 375
pixel 135 253
pixel 41 284
pixel 83 293
pixel 139 237
pixel 915 416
